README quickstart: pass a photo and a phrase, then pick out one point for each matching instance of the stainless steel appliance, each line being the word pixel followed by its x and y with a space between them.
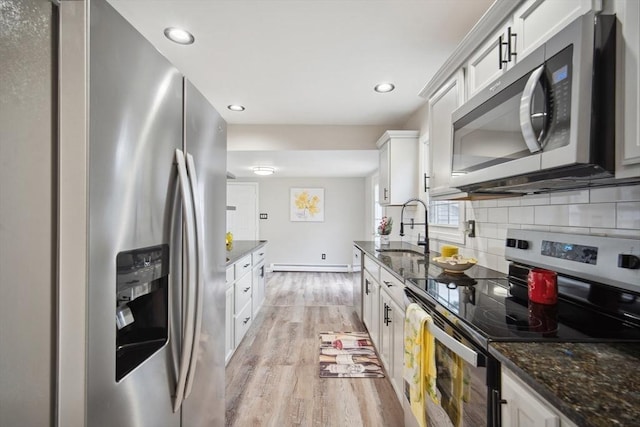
pixel 548 123
pixel 133 334
pixel 598 301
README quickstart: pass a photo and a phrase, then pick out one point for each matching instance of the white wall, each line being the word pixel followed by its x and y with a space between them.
pixel 304 242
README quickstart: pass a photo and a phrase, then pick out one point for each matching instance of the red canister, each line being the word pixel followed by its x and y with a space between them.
pixel 543 286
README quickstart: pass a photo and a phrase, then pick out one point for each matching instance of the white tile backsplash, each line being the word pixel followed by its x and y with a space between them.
pixel 613 211
pixel 567 197
pixel 628 215
pixel 521 215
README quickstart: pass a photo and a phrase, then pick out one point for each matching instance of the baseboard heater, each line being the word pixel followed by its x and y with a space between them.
pixel 327 268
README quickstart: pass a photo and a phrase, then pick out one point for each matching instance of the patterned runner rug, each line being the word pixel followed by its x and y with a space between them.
pixel 348 355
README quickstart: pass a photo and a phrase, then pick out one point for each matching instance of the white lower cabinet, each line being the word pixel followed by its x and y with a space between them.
pixel 523 407
pixel 371 311
pixel 244 297
pixel 229 337
pixel 391 348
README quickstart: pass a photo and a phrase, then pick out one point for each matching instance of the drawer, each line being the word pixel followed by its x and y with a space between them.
pixel 243 266
pixel 372 267
pixel 393 286
pixel 243 292
pixel 242 323
pixel 258 255
pixel 230 274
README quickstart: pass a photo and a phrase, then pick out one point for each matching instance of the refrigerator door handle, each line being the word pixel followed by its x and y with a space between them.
pixel 188 318
pixel 199 282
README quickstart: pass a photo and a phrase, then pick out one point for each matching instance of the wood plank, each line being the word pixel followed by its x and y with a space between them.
pixel 273 379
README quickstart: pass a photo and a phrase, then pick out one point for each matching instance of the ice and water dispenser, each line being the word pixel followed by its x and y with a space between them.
pixel 142 305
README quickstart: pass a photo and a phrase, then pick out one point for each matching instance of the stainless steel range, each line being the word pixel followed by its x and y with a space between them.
pixel 598 301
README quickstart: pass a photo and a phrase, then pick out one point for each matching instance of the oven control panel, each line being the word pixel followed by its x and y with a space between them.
pixel 614 261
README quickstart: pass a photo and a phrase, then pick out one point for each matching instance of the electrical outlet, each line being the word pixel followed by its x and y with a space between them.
pixel 324 256
pixel 263 216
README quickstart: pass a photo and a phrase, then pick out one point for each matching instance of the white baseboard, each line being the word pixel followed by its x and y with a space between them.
pixel 327 268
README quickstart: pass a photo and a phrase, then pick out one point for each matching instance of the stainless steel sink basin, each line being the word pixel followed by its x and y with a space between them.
pixel 400 252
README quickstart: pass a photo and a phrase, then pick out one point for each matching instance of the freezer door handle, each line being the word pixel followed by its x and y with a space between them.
pixel 188 327
pixel 199 282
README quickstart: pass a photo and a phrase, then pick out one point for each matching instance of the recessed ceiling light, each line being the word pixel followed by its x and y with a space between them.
pixel 263 170
pixel 384 87
pixel 235 107
pixel 178 35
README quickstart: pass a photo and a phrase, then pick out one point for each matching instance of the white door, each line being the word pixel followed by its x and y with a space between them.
pixel 242 210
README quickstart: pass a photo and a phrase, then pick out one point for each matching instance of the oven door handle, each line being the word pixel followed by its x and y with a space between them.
pixel 467 354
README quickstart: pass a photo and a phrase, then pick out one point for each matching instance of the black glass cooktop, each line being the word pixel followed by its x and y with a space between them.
pixel 497 309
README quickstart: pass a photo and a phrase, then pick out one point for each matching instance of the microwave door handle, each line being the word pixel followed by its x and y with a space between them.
pixel 526 126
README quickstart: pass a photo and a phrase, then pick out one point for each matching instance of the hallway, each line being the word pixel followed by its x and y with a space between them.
pixel 272 379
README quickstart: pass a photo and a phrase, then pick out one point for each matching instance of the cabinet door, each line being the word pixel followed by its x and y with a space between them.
pixel 229 345
pixel 375 319
pixel 367 283
pixel 384 188
pixel 628 92
pixel 257 297
pixel 386 331
pixel 536 21
pixel 523 408
pixel 441 105
pixel 397 348
pixel 490 60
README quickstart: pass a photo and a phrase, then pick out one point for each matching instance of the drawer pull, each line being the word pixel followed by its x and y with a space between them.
pixel 245 290
pixel 389 284
pixel 246 265
pixel 246 320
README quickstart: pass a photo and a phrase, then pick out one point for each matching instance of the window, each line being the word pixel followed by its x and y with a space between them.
pixel 444 213
pixel 446 220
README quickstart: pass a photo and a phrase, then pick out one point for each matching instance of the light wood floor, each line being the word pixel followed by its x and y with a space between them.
pixel 273 380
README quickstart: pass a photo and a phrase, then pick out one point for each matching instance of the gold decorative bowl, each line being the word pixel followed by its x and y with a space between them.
pixel 455 263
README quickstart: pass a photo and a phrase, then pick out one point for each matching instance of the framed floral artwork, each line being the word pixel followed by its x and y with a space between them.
pixel 307 204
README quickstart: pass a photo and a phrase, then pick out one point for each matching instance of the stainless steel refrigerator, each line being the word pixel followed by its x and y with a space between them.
pixel 135 332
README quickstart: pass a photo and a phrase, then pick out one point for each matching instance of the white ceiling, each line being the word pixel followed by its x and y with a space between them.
pixel 308 62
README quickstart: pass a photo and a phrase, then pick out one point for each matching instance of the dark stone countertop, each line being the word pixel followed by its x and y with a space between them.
pixel 412 267
pixel 591 384
pixel 240 248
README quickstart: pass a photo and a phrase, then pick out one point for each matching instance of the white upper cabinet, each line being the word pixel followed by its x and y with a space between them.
pixel 443 102
pixel 398 166
pixel 493 58
pixel 628 91
pixel 535 21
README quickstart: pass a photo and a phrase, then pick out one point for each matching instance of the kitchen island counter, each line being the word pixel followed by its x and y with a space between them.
pixel 240 248
pixel 591 384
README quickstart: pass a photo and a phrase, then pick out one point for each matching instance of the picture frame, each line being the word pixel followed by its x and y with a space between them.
pixel 306 204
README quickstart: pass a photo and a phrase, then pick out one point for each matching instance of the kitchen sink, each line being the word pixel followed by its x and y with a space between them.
pixel 400 252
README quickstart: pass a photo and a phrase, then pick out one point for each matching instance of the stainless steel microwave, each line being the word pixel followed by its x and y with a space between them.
pixel 548 123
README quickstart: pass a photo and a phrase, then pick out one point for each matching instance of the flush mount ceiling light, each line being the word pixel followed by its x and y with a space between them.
pixel 263 170
pixel 384 87
pixel 179 35
pixel 235 107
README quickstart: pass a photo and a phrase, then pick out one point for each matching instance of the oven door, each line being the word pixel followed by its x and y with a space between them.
pixel 465 379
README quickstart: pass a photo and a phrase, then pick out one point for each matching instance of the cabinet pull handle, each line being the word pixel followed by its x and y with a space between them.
pixel 385 193
pixel 501 43
pixel 511 50
pixel 366 286
pixel 389 284
pixel 245 290
pixel 246 265
pixel 426 187
pixel 246 319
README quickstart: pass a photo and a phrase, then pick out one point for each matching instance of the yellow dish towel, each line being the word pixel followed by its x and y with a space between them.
pixel 419 360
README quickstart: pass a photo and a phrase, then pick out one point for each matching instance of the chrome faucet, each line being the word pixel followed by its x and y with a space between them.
pixel 424 242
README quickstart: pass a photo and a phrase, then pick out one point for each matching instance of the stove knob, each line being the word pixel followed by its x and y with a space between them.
pixel 511 243
pixel 629 261
pixel 523 244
